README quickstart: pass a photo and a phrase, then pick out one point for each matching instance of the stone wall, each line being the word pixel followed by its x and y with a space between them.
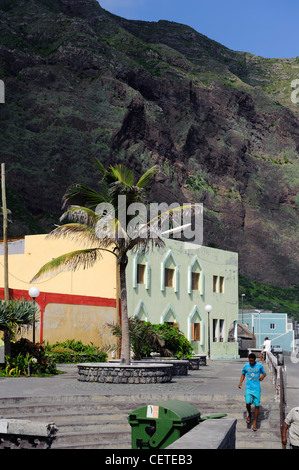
pixel 140 373
pixel 180 367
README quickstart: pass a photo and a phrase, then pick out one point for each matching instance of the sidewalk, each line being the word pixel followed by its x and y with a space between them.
pixel 219 377
pixel 99 412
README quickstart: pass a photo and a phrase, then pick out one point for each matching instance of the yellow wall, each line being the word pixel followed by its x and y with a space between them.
pixel 87 323
pixel 99 281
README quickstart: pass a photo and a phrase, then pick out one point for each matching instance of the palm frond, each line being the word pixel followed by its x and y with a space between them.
pixel 70 262
pixel 147 176
pixel 82 215
pixel 100 167
pixel 79 232
pixel 122 174
pixel 83 195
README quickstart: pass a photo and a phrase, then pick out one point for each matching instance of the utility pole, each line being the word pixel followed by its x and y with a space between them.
pixel 5 245
pixel 7 345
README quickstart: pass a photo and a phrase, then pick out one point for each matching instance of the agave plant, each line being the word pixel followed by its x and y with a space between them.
pixel 15 314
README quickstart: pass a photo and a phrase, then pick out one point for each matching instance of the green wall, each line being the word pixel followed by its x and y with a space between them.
pixel 154 302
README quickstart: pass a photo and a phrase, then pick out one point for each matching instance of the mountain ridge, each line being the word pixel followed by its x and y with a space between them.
pixel 83 83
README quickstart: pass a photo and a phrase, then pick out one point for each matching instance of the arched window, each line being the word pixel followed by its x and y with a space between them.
pixel 195 277
pixel 195 326
pixel 169 272
pixel 141 270
pixel 141 312
pixel 169 316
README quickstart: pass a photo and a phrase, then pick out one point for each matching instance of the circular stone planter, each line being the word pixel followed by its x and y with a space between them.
pixel 117 373
pixel 180 367
pixel 193 363
pixel 202 359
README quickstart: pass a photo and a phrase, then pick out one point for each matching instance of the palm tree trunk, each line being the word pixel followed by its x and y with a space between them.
pixel 125 347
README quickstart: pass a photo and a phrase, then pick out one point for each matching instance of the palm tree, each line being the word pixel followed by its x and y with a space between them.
pixel 102 230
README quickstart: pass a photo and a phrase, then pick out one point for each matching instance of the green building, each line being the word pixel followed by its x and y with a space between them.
pixel 176 283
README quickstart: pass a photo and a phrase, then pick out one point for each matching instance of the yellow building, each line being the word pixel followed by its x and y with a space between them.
pixel 73 305
pixel 174 285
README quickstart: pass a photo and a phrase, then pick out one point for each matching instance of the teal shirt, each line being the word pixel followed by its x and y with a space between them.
pixel 253 374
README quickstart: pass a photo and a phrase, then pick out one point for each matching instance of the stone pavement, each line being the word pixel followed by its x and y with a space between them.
pixel 71 404
pixel 219 377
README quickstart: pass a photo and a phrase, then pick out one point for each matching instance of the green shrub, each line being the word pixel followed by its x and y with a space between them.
pixel 71 351
pixel 175 340
pixel 27 357
pixel 147 338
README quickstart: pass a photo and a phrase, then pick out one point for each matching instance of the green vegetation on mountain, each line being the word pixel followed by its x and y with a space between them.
pixel 82 83
pixel 265 297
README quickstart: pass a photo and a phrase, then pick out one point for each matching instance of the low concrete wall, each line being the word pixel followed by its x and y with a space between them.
pixel 210 434
pixel 25 434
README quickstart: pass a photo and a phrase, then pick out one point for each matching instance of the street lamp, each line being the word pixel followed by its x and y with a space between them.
pixel 208 309
pixel 243 295
pixel 34 292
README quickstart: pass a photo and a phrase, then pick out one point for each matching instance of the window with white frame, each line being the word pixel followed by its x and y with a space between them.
pixel 141 312
pixel 215 330
pixel 169 272
pixel 221 330
pixel 140 273
pixel 218 284
pixel 169 317
pixel 141 270
pixel 195 277
pixel 169 277
pixel 195 326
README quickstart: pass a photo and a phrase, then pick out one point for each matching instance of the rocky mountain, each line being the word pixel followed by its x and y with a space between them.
pixel 82 83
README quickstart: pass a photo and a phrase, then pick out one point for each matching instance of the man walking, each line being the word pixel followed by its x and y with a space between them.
pixel 266 348
pixel 255 373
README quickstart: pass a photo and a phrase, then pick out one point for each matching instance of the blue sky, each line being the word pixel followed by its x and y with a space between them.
pixel 263 27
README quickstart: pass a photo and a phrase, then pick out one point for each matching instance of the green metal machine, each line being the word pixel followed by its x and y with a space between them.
pixel 159 425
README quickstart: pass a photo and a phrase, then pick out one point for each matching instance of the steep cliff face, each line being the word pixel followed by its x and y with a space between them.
pixel 82 83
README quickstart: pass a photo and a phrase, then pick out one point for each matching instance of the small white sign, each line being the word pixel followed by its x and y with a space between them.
pixel 152 411
pixel 3 426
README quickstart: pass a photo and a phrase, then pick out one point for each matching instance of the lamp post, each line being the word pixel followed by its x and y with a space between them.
pixel 208 309
pixel 243 295
pixel 34 292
